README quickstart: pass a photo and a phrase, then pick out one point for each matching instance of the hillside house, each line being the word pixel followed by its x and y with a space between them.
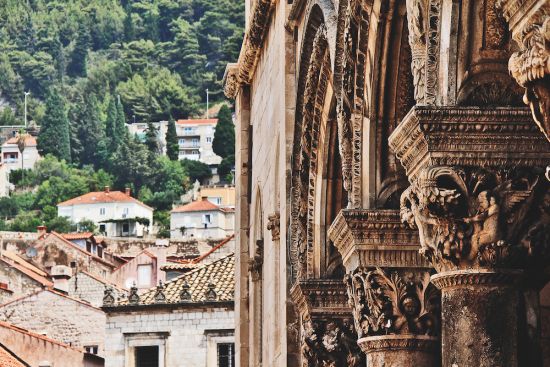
pixel 195 137
pixel 202 219
pixel 116 213
pixel 11 156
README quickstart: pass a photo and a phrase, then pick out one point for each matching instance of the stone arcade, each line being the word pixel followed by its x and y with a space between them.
pixel 392 205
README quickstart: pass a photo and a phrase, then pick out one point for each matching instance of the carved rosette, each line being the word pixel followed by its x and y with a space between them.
pixel 328 336
pixel 398 301
pixel 529 23
pixel 496 217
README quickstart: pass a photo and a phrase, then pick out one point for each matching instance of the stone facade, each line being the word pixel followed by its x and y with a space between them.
pixel 388 144
pixel 59 317
pixel 91 289
pixel 183 333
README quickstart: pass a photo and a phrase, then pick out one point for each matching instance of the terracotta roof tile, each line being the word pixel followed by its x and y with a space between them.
pixel 77 235
pixel 220 274
pixel 29 141
pixel 18 329
pixel 9 359
pixel 102 197
pixel 44 281
pixel 196 206
pixel 197 122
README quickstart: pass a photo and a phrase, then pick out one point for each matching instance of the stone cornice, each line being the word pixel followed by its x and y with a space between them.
pixel 321 297
pixel 449 136
pixel 375 238
pixel 252 44
pixel 451 279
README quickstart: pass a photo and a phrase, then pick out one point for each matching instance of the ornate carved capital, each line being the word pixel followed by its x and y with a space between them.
pixel 274 225
pixel 530 25
pixel 480 218
pixel 328 336
pixel 231 80
pixel 398 301
pixel 375 238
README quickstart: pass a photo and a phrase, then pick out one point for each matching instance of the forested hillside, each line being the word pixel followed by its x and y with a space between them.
pixel 90 67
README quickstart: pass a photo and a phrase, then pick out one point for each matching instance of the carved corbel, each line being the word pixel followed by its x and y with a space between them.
pixel 274 225
pixel 255 264
pixel 529 23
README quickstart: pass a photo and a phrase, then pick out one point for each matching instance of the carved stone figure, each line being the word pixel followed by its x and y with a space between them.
pixel 274 225
pixel 256 263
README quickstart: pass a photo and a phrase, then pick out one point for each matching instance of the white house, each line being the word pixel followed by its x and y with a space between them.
pixel 202 219
pixel 11 156
pixel 195 137
pixel 116 213
pixel 4 180
pixel 139 129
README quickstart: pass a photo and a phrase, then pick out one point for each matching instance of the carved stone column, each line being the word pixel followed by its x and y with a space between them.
pixel 529 22
pixel 328 336
pixel 395 308
pixel 482 209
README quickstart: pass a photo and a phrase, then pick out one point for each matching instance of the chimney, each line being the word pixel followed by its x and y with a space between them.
pixel 204 198
pixel 61 275
pixel 41 230
pixel 128 191
pixel 106 189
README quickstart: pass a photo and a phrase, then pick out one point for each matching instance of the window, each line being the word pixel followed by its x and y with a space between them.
pixel 125 227
pixel 89 247
pixel 100 251
pixel 125 212
pixel 182 141
pixel 92 349
pixel 207 218
pixel 226 355
pixel 147 356
pixel 208 139
pixel 145 272
pixel 102 228
pixel 73 264
pixel 101 211
pixel 195 152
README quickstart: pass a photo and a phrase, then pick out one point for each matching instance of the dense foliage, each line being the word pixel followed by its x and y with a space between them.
pixel 158 55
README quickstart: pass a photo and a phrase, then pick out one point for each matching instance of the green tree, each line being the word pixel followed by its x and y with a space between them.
pixel 151 140
pixel 54 132
pixel 172 146
pixel 91 134
pixel 121 130
pixel 196 170
pixel 78 63
pixel 111 122
pixel 224 136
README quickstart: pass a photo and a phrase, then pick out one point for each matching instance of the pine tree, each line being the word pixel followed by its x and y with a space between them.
pixel 151 140
pixel 110 125
pixel 90 134
pixel 79 57
pixel 224 136
pixel 54 133
pixel 129 29
pixel 121 130
pixel 172 146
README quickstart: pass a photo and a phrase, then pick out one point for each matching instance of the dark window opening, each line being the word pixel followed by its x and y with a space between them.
pixel 88 247
pixel 102 228
pixel 92 349
pixel 73 264
pixel 99 251
pixel 147 356
pixel 226 355
pixel 125 228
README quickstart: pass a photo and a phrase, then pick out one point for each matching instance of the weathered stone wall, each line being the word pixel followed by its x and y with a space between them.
pixel 34 348
pixel 62 318
pixel 87 288
pixel 133 246
pixel 19 284
pixel 184 333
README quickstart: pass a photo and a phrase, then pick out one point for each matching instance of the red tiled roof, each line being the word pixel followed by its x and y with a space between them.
pixel 53 291
pixel 29 140
pixel 77 235
pixel 196 206
pixel 102 197
pixel 14 257
pixel 9 359
pixel 197 122
pixel 31 274
pixel 34 335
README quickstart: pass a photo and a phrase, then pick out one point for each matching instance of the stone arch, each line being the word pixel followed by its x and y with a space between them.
pixel 313 83
pixel 256 286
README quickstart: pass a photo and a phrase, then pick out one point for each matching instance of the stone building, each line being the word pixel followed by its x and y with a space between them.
pixel 60 317
pixel 187 322
pixel 391 202
pixel 90 288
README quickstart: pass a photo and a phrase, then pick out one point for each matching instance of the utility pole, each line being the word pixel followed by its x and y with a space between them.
pixel 207 104
pixel 26 94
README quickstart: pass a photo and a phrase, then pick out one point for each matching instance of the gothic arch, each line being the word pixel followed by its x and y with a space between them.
pixel 311 110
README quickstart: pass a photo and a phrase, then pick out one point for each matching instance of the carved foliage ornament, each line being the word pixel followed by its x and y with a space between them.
pixel 255 264
pixel 396 302
pixel 330 343
pixel 477 218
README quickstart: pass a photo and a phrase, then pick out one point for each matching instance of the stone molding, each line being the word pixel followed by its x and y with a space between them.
pixel 458 278
pixel 449 136
pixel 367 238
pixel 399 342
pixel 529 22
pixel 250 50
pixel 321 297
pixel 394 302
